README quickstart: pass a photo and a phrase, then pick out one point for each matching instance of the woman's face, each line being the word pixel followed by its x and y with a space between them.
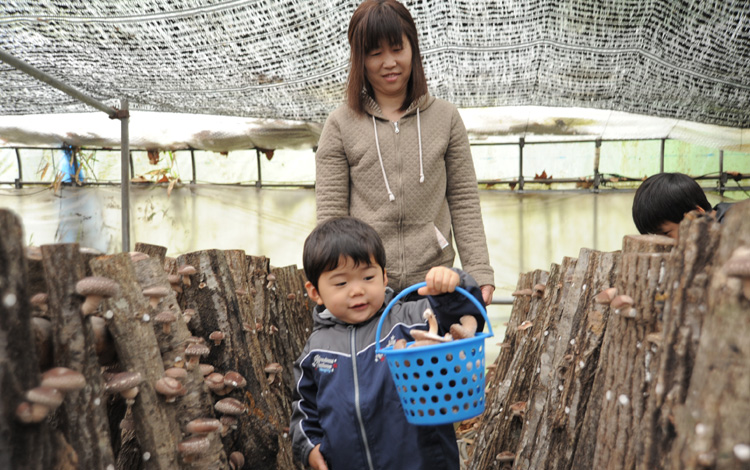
pixel 388 69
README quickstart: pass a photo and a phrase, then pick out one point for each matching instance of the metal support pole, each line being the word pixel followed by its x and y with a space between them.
pixel 192 163
pixel 19 181
pixel 597 155
pixel 125 176
pixel 520 163
pixel 722 175
pixel 49 80
pixel 259 183
pixel 661 156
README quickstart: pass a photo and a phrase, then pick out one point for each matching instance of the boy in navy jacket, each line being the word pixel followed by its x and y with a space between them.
pixel 347 413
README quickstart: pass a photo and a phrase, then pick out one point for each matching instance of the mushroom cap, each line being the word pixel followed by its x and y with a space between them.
pixel 203 425
pixel 47 396
pixel 205 369
pixel 186 270
pixel 165 317
pixel 157 291
pixel 194 445
pixel 216 335
pixel 621 301
pixel 39 299
pixel 234 379
pixel 123 381
pixel 169 387
pixel 97 285
pixel 236 460
pixel 137 256
pixel 214 381
pixel 174 278
pixel 176 373
pixel 230 406
pixel 271 277
pixel 63 379
pixel 738 265
pixel 273 367
pixel 31 412
pixel 197 349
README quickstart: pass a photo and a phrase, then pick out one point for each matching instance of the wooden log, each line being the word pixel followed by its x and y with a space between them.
pixel 84 418
pixel 153 251
pixel 628 365
pixel 647 244
pixel 712 427
pixel 212 294
pixel 137 350
pixel 687 274
pixel 500 425
pixel 566 364
pixel 172 340
pixel 22 446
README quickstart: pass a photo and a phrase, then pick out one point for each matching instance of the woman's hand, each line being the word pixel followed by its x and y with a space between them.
pixel 316 460
pixel 440 280
pixel 487 291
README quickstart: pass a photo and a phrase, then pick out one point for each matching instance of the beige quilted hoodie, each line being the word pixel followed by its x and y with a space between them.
pixel 412 180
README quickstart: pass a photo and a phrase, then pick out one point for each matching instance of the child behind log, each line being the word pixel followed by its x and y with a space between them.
pixel 347 413
pixel 662 200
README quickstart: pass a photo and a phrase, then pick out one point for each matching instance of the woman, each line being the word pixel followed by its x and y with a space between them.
pixel 398 158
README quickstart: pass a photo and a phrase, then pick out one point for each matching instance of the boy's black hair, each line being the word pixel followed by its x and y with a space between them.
pixel 666 197
pixel 337 237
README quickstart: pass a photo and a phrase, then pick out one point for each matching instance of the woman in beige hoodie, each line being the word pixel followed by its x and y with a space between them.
pixel 398 158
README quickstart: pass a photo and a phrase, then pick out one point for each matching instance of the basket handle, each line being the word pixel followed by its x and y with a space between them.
pixel 415 287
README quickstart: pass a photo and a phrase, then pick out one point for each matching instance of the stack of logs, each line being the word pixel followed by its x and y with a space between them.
pixel 263 314
pixel 637 359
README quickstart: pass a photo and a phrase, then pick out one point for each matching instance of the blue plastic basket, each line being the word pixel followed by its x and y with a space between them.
pixel 442 383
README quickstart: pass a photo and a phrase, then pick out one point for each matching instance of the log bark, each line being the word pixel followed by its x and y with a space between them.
pixel 647 244
pixel 567 362
pixel 499 427
pixel 22 446
pixel 712 427
pixel 153 251
pixel 212 293
pixel 138 351
pixel 84 417
pixel 195 403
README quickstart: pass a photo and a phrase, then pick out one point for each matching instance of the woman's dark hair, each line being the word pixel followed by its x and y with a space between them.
pixel 666 197
pixel 372 21
pixel 337 237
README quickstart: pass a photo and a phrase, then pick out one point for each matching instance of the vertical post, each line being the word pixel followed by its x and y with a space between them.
pixel 19 181
pixel 259 182
pixel 125 174
pixel 597 155
pixel 192 163
pixel 520 163
pixel 596 220
pixel 661 156
pixel 722 175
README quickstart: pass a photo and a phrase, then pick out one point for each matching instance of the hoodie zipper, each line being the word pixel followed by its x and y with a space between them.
pixel 353 346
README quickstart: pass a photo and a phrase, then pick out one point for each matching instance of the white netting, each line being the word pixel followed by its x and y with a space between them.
pixel 287 59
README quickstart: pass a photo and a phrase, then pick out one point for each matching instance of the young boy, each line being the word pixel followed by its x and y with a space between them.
pixel 663 199
pixel 347 413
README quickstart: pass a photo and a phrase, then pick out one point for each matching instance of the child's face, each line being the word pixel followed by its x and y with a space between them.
pixel 353 294
pixel 670 229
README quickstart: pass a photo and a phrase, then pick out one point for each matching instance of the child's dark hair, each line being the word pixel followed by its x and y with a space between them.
pixel 337 237
pixel 666 197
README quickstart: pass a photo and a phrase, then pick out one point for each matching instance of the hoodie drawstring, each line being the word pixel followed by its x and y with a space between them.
pixel 391 197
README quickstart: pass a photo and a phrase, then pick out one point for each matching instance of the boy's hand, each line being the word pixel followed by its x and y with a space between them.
pixel 316 460
pixel 440 280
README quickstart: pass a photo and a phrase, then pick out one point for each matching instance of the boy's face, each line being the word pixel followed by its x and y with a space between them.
pixel 670 229
pixel 353 294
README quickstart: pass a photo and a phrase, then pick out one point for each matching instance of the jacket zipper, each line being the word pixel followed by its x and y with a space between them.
pixel 353 346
